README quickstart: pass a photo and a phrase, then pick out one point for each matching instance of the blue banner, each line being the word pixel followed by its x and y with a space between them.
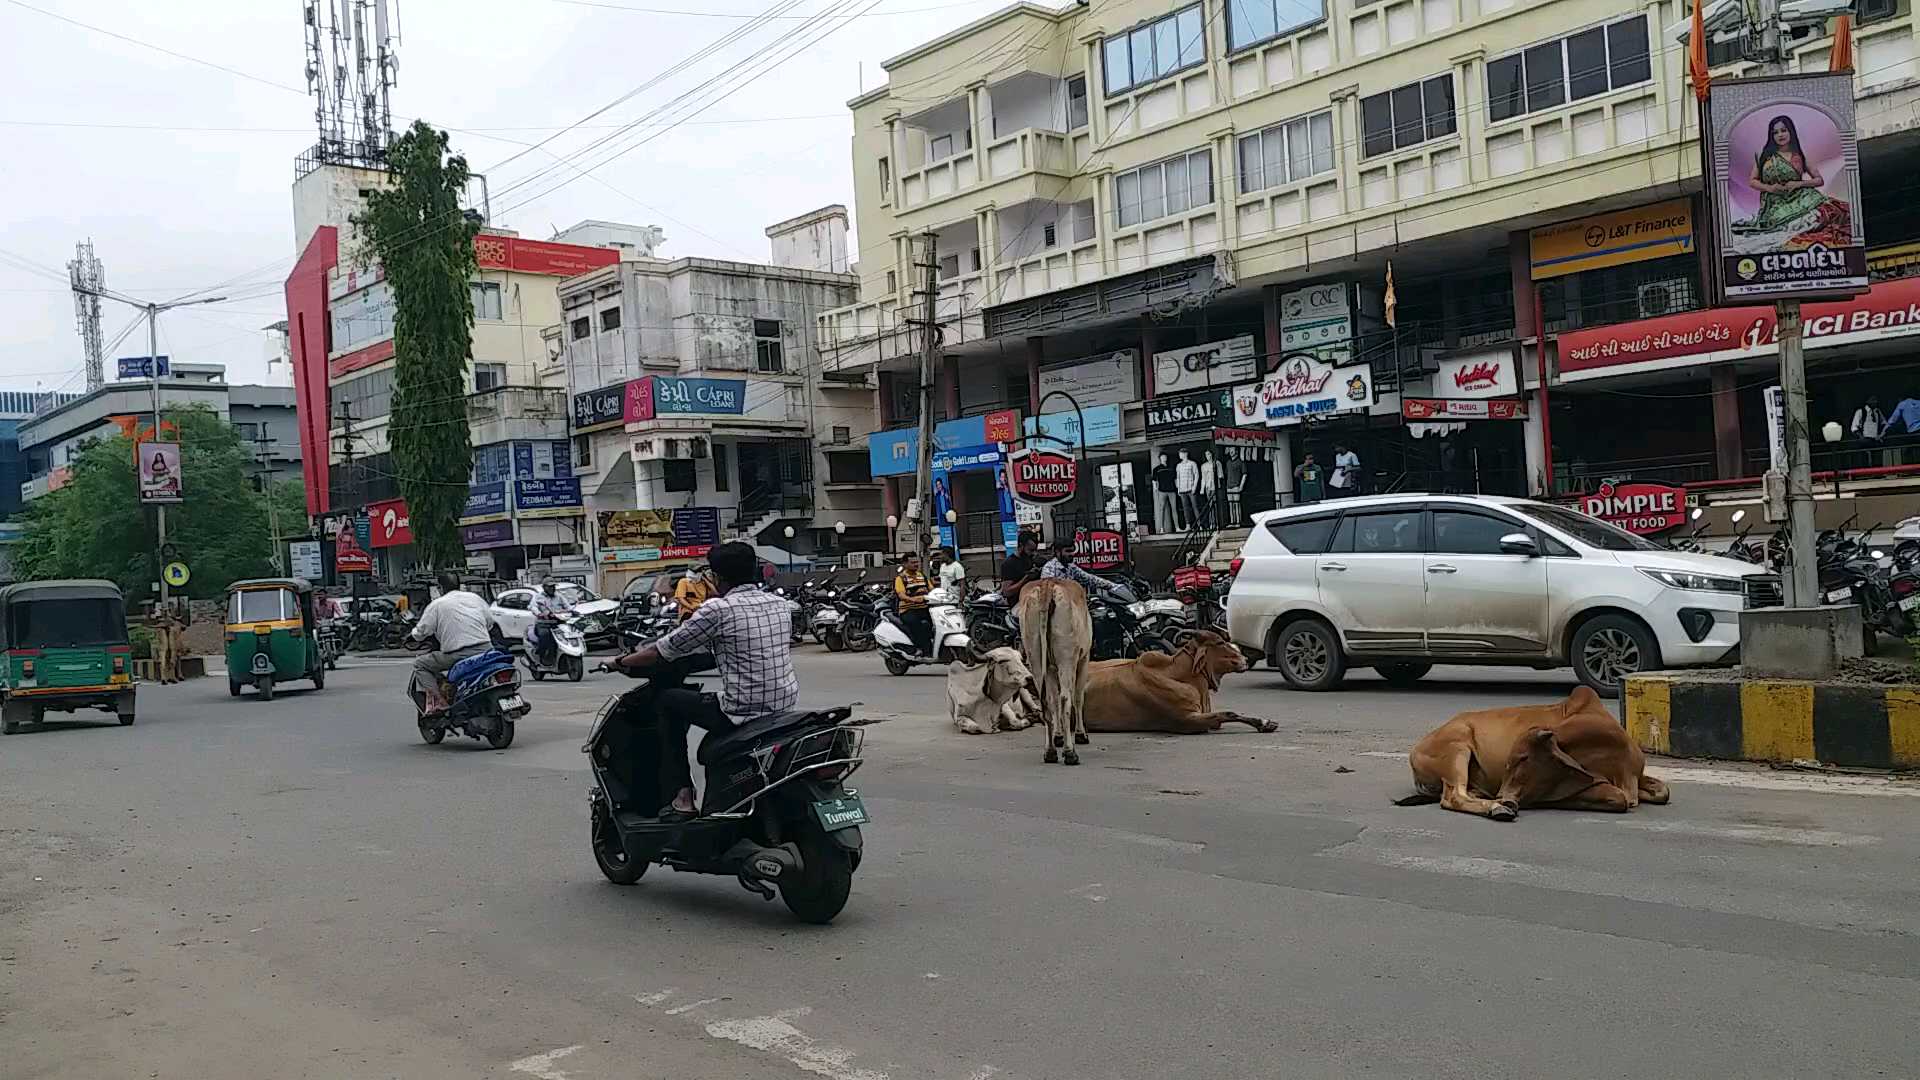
pixel 489 535
pixel 890 453
pixel 491 463
pixel 1063 428
pixel 547 498
pixel 485 500
pixel 672 395
pixel 968 459
pixel 696 525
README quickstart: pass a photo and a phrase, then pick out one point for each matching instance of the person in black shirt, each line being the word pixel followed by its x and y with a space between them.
pixel 1023 566
pixel 1165 483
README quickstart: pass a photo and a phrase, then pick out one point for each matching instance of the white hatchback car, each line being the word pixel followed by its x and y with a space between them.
pixel 1400 583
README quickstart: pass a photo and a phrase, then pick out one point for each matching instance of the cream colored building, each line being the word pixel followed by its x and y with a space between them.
pixel 1146 175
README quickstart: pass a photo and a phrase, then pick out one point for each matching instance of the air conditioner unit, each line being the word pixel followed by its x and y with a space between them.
pixel 1658 298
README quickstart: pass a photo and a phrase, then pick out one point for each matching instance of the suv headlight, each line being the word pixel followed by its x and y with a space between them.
pixel 1687 579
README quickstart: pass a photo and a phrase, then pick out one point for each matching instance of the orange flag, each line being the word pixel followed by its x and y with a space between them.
pixel 1697 53
pixel 1393 301
pixel 1841 59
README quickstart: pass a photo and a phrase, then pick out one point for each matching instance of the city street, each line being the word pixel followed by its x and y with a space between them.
pixel 240 889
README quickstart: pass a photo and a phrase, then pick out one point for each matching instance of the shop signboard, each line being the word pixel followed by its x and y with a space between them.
pixel 1890 309
pixel 485 502
pixel 1616 239
pixel 596 409
pixel 1640 508
pixel 892 452
pixel 559 497
pixel 1783 187
pixel 1775 401
pixel 490 534
pixel 973 458
pixel 1219 363
pixel 303 558
pixel 1316 317
pixel 1257 438
pixel 351 560
pixel 141 367
pixel 696 525
pixel 660 395
pixel 1187 412
pixel 649 536
pixel 1042 476
pixel 547 459
pixel 1113 379
pixel 1442 410
pixel 1492 373
pixel 1099 549
pixel 1063 428
pixel 159 471
pixel 392 527
pixel 494 252
pixel 1304 387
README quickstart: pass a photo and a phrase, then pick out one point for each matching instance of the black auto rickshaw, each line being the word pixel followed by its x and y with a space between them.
pixel 270 635
pixel 66 648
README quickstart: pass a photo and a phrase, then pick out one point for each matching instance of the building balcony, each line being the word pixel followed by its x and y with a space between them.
pixel 506 413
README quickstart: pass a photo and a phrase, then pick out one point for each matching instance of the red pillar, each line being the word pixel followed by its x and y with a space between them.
pixel 1270 316
pixel 1728 461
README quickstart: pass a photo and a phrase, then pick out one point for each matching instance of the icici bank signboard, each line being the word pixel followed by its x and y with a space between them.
pixel 1890 309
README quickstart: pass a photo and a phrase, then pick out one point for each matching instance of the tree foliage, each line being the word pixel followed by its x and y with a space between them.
pixel 95 526
pixel 417 230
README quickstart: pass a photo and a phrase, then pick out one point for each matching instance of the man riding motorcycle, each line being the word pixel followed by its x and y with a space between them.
pixel 1061 566
pixel 547 607
pixel 460 622
pixel 748 630
pixel 910 592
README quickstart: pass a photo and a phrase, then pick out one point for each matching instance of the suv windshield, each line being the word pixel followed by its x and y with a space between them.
pixel 1588 530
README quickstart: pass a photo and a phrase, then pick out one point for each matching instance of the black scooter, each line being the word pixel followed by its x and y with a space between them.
pixel 775 813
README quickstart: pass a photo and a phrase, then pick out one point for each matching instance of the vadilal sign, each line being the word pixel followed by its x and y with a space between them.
pixel 1626 236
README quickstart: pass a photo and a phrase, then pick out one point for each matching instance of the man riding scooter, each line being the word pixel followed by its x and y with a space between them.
pixel 460 622
pixel 910 592
pixel 547 607
pixel 748 630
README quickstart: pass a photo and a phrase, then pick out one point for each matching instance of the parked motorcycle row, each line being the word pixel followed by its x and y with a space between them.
pixel 1886 586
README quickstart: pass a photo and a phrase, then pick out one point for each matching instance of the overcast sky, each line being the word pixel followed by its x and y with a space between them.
pixel 180 173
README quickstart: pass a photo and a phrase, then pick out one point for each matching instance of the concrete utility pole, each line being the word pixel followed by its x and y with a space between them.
pixel 1802 584
pixel 929 360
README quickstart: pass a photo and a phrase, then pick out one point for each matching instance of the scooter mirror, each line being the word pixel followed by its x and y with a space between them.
pixel 1878 554
pixel 1697 511
pixel 1737 515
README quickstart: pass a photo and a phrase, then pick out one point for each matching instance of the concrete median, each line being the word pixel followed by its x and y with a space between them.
pixel 1720 714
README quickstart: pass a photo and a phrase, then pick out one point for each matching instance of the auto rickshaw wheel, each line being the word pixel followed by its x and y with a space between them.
pixel 233 687
pixel 126 718
pixel 264 684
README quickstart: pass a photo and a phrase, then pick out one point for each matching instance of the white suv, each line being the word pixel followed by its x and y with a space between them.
pixel 1402 582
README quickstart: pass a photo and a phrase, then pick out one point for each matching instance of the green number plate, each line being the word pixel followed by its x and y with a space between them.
pixel 842 813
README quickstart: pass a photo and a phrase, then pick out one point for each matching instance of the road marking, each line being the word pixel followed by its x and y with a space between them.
pixel 654 999
pixel 689 1007
pixel 541 1065
pixel 772 1035
pixel 1766 834
pixel 1085 892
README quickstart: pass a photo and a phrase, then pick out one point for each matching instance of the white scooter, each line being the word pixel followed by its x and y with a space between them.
pixel 569 656
pixel 950 640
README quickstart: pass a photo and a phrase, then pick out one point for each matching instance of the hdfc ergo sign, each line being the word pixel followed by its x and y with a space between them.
pixel 1042 476
pixel 1638 508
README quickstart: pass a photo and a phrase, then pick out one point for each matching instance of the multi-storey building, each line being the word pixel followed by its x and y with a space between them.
pixel 1155 207
pixel 698 397
pixel 16 408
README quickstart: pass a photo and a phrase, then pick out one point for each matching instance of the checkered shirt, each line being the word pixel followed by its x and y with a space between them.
pixel 749 632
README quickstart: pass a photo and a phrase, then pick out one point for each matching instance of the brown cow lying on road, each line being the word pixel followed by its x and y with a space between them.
pixel 1570 756
pixel 1158 692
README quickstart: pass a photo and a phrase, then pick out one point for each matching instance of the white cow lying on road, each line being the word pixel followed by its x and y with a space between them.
pixel 992 695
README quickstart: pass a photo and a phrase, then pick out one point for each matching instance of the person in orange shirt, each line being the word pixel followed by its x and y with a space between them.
pixel 910 595
pixel 692 591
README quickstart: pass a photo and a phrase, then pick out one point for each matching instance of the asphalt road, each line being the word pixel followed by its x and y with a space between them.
pixel 242 889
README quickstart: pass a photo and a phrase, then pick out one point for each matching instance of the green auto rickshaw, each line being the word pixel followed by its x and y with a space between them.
pixel 270 636
pixel 66 648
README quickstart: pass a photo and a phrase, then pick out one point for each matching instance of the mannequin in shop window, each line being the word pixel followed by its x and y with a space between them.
pixel 1186 480
pixel 1165 513
pixel 1236 472
pixel 1209 487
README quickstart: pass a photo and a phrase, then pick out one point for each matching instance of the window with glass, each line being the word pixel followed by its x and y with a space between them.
pixel 582 451
pixel 1164 188
pixel 1458 532
pixel 1394 532
pixel 486 300
pixel 1250 22
pixel 610 318
pixel 361 318
pixel 1583 65
pixel 261 605
pixel 364 398
pixel 1152 51
pixel 1406 116
pixel 581 328
pixel 1076 103
pixel 1287 153
pixel 489 377
pixel 680 476
pixel 849 469
pixel 766 346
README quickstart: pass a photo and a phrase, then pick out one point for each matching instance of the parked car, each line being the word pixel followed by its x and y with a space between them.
pixel 512 612
pixel 1400 583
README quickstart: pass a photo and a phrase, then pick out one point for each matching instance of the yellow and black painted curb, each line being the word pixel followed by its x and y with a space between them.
pixel 1859 724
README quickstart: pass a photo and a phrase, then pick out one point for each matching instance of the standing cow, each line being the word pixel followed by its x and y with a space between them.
pixel 1057 633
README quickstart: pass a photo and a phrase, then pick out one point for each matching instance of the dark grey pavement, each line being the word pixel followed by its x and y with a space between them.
pixel 301 888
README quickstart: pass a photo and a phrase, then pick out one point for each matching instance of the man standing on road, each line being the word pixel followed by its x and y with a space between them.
pixel 953 576
pixel 460 622
pixel 1345 479
pixel 748 630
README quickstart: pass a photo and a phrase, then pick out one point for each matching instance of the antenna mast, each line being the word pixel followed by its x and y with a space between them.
pixel 351 65
pixel 88 277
